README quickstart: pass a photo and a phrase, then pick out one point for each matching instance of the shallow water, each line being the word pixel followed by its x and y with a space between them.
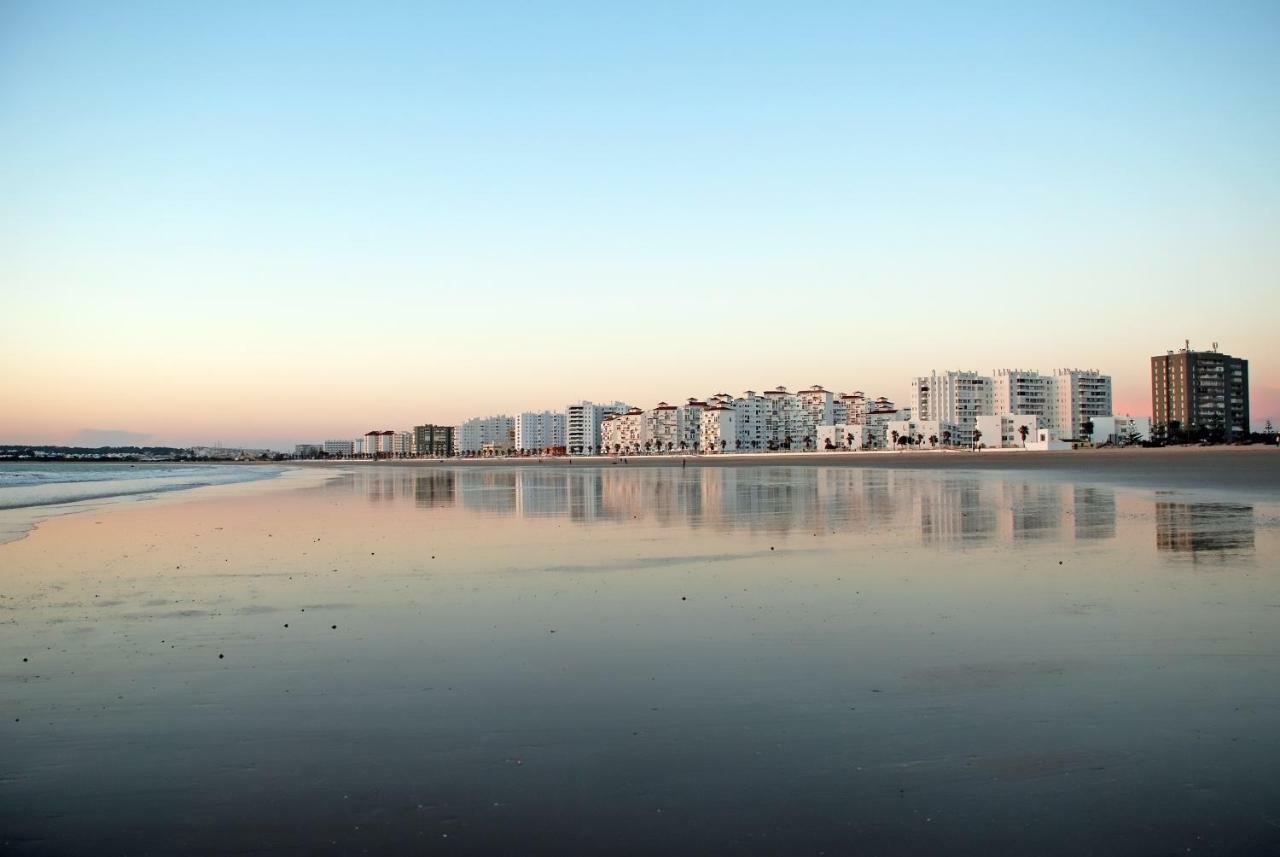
pixel 33 491
pixel 764 660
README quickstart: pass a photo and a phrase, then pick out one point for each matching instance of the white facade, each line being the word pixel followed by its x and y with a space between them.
pixel 842 436
pixel 623 433
pixel 662 427
pixel 921 434
pixel 1081 395
pixel 689 416
pixel 474 435
pixel 339 447
pixel 401 444
pixel 1004 431
pixel 719 429
pixel 1023 391
pixel 958 398
pixel 1118 428
pixel 536 431
pixel 752 409
pixel 582 425
pixel 817 409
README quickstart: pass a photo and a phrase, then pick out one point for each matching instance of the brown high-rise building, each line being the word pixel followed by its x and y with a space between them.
pixel 1200 394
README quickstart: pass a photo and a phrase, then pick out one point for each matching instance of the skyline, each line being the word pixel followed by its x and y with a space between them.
pixel 270 226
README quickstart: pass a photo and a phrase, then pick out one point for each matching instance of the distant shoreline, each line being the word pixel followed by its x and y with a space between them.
pixel 1229 467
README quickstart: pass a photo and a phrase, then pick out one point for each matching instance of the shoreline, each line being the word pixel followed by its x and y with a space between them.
pixel 1228 467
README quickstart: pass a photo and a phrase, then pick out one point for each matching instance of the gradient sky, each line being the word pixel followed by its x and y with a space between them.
pixel 268 223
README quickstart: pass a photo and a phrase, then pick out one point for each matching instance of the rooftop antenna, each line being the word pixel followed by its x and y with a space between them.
pixel 1187 342
pixel 1215 346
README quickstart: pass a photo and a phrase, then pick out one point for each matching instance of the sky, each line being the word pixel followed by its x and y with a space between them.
pixel 262 224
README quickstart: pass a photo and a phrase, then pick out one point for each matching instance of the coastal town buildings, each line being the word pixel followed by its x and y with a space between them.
pixel 1007 430
pixel 539 431
pixel 1082 395
pixel 433 441
pixel 582 425
pixel 1120 430
pixel 339 448
pixel 1200 394
pixel 479 434
pixel 1023 391
pixel 719 429
pixel 955 397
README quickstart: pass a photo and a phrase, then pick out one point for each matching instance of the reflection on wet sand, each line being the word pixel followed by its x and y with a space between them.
pixel 945 508
pixel 1204 528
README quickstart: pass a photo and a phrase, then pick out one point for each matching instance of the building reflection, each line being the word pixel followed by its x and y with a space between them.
pixel 1198 529
pixel 947 508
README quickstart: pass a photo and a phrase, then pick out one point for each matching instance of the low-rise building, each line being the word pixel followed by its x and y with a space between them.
pixel 339 448
pixel 1007 431
pixel 842 436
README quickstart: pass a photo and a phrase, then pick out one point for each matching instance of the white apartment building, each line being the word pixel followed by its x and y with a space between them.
pixel 1082 395
pixel 343 448
pixel 536 431
pixel 785 420
pixel 719 429
pixel 582 425
pixel 877 426
pixel 622 433
pixel 1023 391
pixel 849 408
pixel 690 424
pixel 662 427
pixel 401 444
pixel 1004 431
pixel 954 397
pixel 752 411
pixel 478 433
pixel 817 409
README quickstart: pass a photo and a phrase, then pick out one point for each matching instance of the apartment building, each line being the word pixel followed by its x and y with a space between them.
pixel 623 433
pixel 719 429
pixel 662 427
pixel 485 433
pixel 817 409
pixel 539 431
pixel 752 411
pixel 433 441
pixel 1024 391
pixel 955 397
pixel 1200 393
pixel 582 425
pixel 1081 396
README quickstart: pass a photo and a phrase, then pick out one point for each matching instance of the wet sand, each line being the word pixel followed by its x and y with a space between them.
pixel 633 660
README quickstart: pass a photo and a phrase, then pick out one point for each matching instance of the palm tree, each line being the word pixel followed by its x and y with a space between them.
pixel 933 440
pixel 894 436
pixel 648 445
pixel 723 443
pixel 737 444
pixel 684 445
pixel 1024 431
pixel 1087 428
pixel 903 440
pixel 977 436
pixel 946 438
